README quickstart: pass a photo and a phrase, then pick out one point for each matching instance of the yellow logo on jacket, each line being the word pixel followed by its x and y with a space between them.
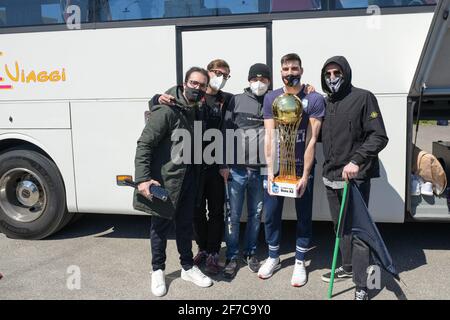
pixel 374 115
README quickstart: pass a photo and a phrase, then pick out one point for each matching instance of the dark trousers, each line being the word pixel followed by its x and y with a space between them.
pixel 354 252
pixel 273 209
pixel 208 217
pixel 182 221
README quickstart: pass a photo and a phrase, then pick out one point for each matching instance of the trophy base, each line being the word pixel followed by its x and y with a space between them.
pixel 285 187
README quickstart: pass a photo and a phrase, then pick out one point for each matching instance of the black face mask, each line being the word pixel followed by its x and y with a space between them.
pixel 193 95
pixel 291 80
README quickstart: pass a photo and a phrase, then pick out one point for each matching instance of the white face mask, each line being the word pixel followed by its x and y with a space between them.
pixel 258 88
pixel 217 83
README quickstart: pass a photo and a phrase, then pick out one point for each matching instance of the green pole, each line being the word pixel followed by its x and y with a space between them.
pixel 338 239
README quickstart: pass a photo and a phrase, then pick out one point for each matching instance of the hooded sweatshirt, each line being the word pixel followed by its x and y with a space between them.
pixel 353 128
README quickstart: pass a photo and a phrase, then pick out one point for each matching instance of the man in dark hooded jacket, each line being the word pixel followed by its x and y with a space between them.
pixel 353 134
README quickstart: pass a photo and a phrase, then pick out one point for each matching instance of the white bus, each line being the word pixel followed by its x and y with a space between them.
pixel 76 77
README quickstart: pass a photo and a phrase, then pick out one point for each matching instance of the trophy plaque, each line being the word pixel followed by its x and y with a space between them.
pixel 287 112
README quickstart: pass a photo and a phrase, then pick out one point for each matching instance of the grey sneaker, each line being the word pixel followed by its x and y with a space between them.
pixel 253 263
pixel 339 275
pixel 231 269
pixel 361 294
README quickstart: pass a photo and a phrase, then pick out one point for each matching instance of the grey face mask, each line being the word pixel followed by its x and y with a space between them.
pixel 334 84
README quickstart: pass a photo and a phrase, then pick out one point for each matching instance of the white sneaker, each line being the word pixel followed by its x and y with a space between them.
pixel 196 276
pixel 299 275
pixel 269 267
pixel 158 283
pixel 427 189
pixel 416 183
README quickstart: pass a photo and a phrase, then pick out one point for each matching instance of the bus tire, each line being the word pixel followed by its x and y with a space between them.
pixel 32 195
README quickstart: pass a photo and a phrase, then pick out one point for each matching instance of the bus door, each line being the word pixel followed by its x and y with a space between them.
pixel 240 46
pixel 429 102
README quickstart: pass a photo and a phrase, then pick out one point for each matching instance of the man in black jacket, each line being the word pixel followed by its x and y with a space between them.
pixel 353 134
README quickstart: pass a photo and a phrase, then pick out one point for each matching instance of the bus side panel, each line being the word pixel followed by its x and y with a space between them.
pixel 57 144
pixel 132 63
pixel 387 202
pixel 116 63
pixel 104 141
pixel 382 56
pixel 36 115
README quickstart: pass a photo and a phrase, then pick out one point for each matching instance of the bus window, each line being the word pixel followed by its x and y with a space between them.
pixel 224 7
pixel 2 16
pixel 354 4
pixel 51 13
pixel 116 10
pixel 295 5
pixel 15 13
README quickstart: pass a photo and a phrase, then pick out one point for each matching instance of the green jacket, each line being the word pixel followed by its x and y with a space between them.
pixel 153 154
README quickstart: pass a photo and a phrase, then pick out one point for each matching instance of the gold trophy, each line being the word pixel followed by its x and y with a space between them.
pixel 287 112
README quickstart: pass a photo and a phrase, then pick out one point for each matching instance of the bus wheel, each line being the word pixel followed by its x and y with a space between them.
pixel 32 195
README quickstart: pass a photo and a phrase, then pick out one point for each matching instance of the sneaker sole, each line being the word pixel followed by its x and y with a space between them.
pixel 278 267
pixel 338 279
pixel 229 275
pixel 297 285
pixel 253 271
pixel 159 294
pixel 196 283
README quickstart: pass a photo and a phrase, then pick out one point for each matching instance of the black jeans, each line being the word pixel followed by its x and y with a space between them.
pixel 182 221
pixel 355 253
pixel 209 224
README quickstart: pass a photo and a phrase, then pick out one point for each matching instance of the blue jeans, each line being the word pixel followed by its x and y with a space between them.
pixel 240 180
pixel 273 209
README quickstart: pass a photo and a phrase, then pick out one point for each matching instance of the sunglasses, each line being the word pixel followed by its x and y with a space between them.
pixel 197 84
pixel 336 73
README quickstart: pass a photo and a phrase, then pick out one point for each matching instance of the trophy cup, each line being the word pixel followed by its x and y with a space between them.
pixel 287 112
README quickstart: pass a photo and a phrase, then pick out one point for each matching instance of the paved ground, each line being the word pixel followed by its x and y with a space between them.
pixel 113 255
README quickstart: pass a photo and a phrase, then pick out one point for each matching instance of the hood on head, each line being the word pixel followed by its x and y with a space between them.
pixel 346 70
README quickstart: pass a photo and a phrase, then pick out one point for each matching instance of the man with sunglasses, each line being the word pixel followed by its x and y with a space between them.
pixel 154 165
pixel 209 212
pixel 353 134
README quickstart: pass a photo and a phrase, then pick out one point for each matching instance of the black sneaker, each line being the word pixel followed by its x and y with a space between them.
pixel 361 294
pixel 253 263
pixel 339 275
pixel 231 269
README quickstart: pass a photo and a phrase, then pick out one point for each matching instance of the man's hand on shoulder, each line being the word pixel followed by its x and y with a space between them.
pixel 166 99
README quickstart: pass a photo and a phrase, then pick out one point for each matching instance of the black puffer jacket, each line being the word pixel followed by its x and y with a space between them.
pixel 353 128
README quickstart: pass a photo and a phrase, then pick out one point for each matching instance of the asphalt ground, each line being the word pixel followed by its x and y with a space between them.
pixel 112 255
